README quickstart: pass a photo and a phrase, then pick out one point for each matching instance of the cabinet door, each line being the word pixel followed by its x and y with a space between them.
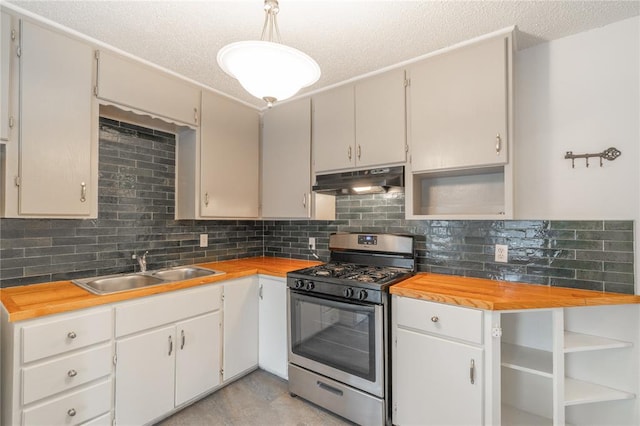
pixel 56 120
pixel 334 129
pixel 380 120
pixel 272 343
pixel 145 376
pixel 229 158
pixel 6 53
pixel 286 160
pixel 458 108
pixel 240 326
pixel 131 83
pixel 432 382
pixel 197 356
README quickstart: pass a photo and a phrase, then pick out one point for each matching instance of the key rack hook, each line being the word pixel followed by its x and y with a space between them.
pixel 608 154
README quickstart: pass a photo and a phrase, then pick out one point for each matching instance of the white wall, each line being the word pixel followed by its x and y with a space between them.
pixel 581 94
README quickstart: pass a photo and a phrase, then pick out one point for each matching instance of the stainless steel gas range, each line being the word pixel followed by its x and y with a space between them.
pixel 339 348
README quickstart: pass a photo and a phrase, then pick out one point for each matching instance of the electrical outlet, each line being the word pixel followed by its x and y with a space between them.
pixel 312 243
pixel 204 240
pixel 502 253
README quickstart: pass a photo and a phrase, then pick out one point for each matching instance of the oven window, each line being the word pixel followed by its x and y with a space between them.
pixel 340 335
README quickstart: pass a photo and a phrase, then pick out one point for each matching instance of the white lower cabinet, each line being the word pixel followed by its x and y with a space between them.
pixel 272 326
pixel 556 366
pixel 240 327
pixel 58 369
pixel 437 378
pixel 168 352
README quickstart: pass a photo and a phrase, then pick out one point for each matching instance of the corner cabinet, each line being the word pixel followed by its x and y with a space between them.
pixel 461 136
pixel 240 327
pixel 218 165
pixel 360 125
pixel 51 166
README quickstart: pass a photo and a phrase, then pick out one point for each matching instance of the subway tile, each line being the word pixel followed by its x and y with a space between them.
pixel 577 224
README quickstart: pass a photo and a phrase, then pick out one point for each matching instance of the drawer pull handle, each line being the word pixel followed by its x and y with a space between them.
pixel 72 335
pixel 71 412
pixel 328 388
pixel 170 345
pixel 435 319
pixel 183 340
pixel 72 373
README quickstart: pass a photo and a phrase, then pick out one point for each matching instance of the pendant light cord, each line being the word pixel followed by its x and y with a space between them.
pixel 271 10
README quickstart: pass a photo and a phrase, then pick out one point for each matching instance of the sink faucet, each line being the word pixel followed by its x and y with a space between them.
pixel 142 261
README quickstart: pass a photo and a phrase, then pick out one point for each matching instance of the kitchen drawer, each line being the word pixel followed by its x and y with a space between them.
pixel 60 374
pixel 72 408
pixel 104 420
pixel 440 319
pixel 73 331
pixel 154 311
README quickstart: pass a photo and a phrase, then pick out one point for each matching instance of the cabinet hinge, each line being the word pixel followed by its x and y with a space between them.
pixel 17 180
pixel 407 82
pixel 96 54
pixel 11 122
pixel 222 371
pixel 406 148
pixel 222 297
pixel 13 34
pixel 95 90
pixel 496 332
pixel 260 292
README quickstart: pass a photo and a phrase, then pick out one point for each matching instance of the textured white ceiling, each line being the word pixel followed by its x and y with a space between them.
pixel 346 38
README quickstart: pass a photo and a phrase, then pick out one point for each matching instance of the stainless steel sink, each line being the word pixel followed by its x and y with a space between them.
pixel 124 282
pixel 184 273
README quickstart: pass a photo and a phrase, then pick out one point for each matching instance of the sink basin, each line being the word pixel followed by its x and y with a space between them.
pixel 116 283
pixel 123 282
pixel 184 273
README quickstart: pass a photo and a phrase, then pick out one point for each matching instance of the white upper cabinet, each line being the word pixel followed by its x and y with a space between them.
pixel 58 127
pixel 133 84
pixel 380 120
pixel 7 52
pixel 459 108
pixel 217 167
pixel 229 158
pixel 286 160
pixel 361 125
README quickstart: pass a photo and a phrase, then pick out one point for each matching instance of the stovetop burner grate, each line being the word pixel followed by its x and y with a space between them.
pixel 354 272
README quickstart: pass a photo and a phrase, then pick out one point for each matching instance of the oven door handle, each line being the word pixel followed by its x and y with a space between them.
pixel 332 302
pixel 329 388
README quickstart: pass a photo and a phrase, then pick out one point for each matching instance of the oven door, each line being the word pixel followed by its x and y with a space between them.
pixel 337 339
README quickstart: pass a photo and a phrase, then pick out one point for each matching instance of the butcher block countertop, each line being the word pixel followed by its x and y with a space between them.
pixel 499 295
pixel 36 300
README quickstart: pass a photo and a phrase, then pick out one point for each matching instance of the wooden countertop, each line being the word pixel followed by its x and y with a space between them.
pixel 499 295
pixel 32 301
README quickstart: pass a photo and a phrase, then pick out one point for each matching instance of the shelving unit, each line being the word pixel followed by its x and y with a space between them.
pixel 578 392
pixel 578 342
pixel 513 416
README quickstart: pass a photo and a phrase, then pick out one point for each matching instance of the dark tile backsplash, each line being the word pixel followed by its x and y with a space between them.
pixel 136 211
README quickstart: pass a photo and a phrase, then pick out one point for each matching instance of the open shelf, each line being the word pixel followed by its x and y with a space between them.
pixel 522 358
pixel 578 392
pixel 578 342
pixel 513 416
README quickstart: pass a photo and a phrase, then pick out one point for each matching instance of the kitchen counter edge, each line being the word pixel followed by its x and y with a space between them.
pixel 38 300
pixel 500 295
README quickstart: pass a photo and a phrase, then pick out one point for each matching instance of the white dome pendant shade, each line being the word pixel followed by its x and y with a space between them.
pixel 266 69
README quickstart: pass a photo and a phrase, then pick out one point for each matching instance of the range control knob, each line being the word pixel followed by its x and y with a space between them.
pixel 362 295
pixel 348 292
pixel 298 284
pixel 310 285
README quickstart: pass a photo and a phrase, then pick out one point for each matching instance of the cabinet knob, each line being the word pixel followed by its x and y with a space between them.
pixel 71 335
pixel 71 412
pixel 72 373
pixel 435 319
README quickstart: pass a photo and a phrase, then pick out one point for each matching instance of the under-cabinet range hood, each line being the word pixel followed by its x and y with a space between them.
pixel 371 181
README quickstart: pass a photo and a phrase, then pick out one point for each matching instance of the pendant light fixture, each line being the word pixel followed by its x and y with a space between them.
pixel 266 68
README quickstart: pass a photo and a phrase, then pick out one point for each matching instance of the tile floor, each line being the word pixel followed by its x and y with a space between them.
pixel 259 398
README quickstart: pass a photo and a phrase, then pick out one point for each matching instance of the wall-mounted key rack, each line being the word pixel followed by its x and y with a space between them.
pixel 608 154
